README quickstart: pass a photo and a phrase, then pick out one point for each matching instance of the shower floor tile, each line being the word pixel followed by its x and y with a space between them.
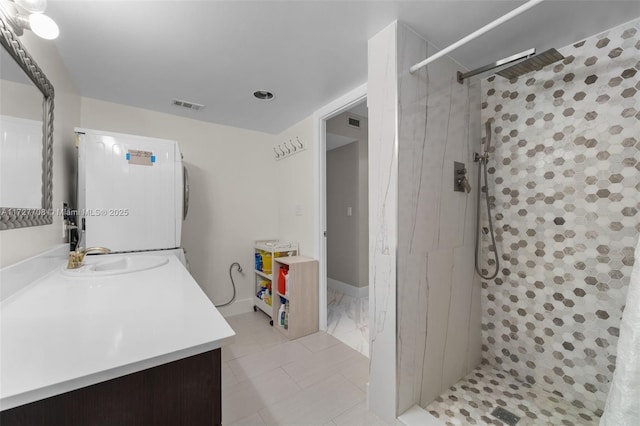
pixel 472 399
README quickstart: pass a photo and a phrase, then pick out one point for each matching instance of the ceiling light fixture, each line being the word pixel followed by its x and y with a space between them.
pixel 28 15
pixel 264 95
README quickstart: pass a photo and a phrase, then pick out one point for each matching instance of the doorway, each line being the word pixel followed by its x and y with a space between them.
pixel 320 117
pixel 347 225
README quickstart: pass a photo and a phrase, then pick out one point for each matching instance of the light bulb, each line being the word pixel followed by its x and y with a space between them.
pixel 43 26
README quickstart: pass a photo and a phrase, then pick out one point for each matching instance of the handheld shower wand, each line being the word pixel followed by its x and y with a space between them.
pixel 483 159
pixel 487 143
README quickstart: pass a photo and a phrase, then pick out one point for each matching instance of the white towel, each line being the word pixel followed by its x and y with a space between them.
pixel 623 401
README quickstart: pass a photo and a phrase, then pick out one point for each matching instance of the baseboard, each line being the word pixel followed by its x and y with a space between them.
pixel 348 289
pixel 238 307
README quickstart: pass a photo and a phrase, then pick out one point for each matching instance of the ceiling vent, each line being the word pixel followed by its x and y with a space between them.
pixel 186 104
pixel 353 122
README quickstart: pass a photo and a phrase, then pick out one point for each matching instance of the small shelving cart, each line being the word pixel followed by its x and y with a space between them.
pixel 301 296
pixel 268 251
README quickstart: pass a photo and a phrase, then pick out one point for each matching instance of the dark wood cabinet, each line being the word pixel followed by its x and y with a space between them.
pixel 184 392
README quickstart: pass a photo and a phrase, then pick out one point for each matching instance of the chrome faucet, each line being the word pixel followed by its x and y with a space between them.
pixel 76 257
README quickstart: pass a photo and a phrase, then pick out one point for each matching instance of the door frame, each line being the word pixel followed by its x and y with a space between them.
pixel 320 117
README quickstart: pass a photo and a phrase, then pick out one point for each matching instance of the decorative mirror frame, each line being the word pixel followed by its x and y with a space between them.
pixel 11 218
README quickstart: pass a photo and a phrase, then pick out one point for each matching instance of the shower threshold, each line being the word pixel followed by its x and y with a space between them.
pixel 487 392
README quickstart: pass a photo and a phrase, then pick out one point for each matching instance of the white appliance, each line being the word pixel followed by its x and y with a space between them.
pixel 132 191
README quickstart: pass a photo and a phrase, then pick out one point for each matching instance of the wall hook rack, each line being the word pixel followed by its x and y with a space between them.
pixel 290 148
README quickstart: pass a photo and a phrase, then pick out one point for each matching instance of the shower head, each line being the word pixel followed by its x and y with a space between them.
pixel 502 62
pixel 534 63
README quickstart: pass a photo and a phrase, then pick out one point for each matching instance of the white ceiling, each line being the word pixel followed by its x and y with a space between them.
pixel 145 53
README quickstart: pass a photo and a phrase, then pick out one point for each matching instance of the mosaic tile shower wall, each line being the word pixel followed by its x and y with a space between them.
pixel 564 177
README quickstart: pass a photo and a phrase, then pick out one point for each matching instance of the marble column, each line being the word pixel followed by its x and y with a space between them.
pixel 383 217
pixel 422 232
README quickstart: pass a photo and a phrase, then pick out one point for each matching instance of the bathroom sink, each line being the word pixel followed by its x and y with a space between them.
pixel 99 266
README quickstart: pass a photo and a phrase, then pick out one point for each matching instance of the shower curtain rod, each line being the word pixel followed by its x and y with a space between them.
pixel 515 12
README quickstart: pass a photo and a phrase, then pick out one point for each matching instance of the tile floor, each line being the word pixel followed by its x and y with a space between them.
pixel 348 320
pixel 269 380
pixel 472 399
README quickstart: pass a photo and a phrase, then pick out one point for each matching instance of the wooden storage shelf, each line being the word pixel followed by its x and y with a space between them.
pixel 276 249
pixel 302 298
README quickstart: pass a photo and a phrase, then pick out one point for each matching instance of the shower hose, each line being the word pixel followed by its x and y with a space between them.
pixel 483 166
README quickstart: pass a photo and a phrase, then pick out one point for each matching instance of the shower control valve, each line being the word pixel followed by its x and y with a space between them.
pixel 460 181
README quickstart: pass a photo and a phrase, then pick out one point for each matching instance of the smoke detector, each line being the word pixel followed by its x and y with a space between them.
pixel 186 104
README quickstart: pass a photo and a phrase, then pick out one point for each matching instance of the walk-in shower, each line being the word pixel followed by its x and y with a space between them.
pixel 561 153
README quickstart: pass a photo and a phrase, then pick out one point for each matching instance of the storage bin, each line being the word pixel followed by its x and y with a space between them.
pixel 267 262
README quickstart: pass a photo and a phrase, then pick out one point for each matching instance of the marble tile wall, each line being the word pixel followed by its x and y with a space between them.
pixel 438 293
pixel 564 180
pixel 383 206
pixel 419 125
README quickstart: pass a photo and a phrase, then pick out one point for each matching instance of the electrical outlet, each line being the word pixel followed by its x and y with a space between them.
pixel 298 209
pixel 349 211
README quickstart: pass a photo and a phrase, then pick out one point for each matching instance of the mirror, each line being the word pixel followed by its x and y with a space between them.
pixel 26 137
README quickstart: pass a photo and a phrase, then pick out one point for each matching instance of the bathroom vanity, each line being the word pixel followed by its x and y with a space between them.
pixel 110 345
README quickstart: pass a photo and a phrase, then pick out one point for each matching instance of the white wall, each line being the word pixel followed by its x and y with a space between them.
pixel 342 230
pixel 294 187
pixel 19 244
pixel 232 174
pixel 30 105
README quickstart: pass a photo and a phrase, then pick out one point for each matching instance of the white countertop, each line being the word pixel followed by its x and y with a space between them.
pixel 62 333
